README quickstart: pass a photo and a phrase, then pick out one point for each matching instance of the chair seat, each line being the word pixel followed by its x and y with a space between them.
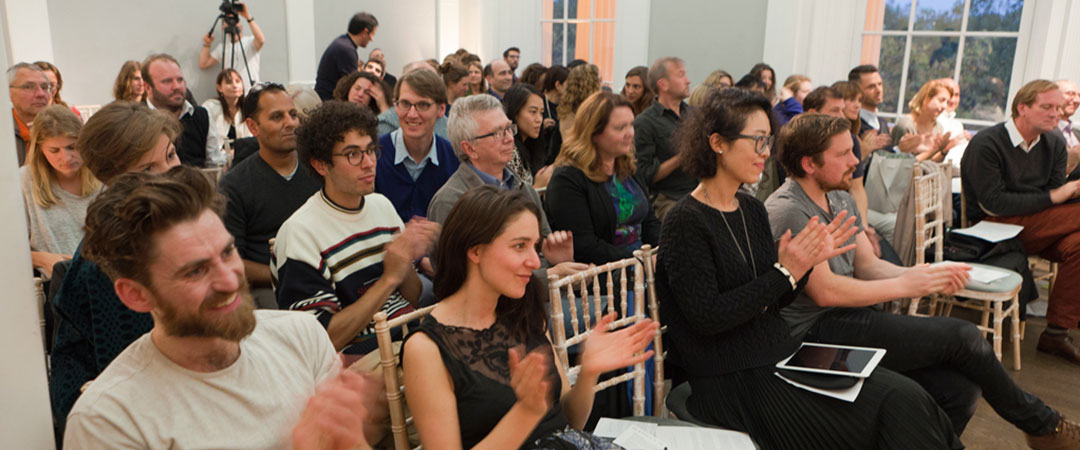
pixel 676 403
pixel 1001 285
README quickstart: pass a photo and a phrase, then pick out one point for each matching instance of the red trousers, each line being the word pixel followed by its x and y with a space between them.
pixel 1054 234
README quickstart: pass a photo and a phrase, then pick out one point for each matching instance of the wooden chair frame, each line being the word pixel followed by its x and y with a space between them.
pixel 388 362
pixel 646 255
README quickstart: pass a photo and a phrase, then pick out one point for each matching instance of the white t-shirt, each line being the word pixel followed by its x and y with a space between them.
pixel 144 400
pixel 238 63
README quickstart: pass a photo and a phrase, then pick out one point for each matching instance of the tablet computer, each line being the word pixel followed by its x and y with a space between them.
pixel 829 359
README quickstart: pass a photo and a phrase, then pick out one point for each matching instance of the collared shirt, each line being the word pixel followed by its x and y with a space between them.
pixel 507 181
pixel 1066 128
pixel 653 144
pixel 870 118
pixel 401 155
pixel 493 94
pixel 215 155
pixel 1018 140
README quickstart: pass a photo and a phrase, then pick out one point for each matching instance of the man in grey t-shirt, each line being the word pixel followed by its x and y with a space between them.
pixel 948 357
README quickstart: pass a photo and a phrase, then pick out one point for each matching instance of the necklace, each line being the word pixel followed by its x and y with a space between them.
pixel 746 233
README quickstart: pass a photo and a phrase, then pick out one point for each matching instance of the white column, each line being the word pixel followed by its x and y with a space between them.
pixel 300 38
pixel 26 416
pixel 631 39
pixel 28 34
pixel 448 34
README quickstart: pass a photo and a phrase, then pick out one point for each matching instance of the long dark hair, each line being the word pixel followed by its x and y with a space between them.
pixel 477 218
pixel 229 110
pixel 532 151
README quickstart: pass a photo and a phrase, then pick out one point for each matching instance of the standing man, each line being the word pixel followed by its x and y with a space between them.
pixel 265 189
pixel 239 49
pixel 873 129
pixel 512 56
pixel 1014 172
pixel 658 160
pixel 30 92
pixel 499 77
pixel 340 58
pixel 198 144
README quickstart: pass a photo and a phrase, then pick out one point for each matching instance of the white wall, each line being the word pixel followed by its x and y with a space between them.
pixel 300 39
pixel 631 38
pixel 29 30
pixel 406 29
pixel 489 27
pixel 816 38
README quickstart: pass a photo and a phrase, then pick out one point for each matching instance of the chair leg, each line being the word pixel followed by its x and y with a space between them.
pixel 1023 324
pixel 997 329
pixel 1016 325
pixel 1053 278
pixel 913 306
pixel 986 320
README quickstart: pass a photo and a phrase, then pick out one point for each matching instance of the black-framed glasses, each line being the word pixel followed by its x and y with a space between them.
pixel 406 105
pixel 30 86
pixel 760 142
pixel 501 133
pixel 356 157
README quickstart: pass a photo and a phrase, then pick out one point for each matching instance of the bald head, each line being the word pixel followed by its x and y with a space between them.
pixel 1072 98
pixel 501 77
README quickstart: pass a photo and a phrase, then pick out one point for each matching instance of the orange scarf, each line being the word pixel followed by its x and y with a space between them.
pixel 24 131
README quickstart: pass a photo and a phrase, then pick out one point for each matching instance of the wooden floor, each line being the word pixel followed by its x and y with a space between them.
pixel 1051 378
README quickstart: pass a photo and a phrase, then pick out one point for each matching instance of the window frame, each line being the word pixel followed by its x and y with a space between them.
pixel 547 58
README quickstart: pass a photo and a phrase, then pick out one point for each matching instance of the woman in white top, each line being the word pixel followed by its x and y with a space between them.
pixel 225 109
pixel 56 187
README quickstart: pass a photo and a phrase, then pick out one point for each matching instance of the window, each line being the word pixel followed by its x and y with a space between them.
pixel 972 41
pixel 579 29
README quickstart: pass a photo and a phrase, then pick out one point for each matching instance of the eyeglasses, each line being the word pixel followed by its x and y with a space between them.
pixel 47 87
pixel 501 133
pixel 406 105
pixel 760 142
pixel 356 157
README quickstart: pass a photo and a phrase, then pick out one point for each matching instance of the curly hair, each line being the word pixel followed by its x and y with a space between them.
pixel 591 120
pixel 724 112
pixel 341 90
pixel 122 220
pixel 327 125
pixel 533 74
pixel 582 82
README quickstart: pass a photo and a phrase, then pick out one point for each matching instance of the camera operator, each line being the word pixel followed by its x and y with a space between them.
pixel 234 57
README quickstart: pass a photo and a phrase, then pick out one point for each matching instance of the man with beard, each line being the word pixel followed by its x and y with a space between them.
pixel 345 254
pixel 499 77
pixel 30 92
pixel 657 159
pixel 265 189
pixel 212 373
pixel 872 128
pixel 198 144
pixel 950 358
pixel 512 56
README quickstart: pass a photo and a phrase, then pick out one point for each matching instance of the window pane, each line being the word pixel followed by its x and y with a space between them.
pixel 571 43
pixel 897 13
pixel 938 15
pixel 995 15
pixel 931 57
pixel 575 6
pixel 557 8
pixel 985 77
pixel 558 35
pixel 890 65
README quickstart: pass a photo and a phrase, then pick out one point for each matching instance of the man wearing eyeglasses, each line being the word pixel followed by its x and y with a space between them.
pixel 346 254
pixel 30 92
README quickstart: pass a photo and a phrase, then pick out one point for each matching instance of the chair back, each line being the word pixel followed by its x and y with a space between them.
pixel 931 183
pixel 39 298
pixel 85 111
pixel 389 363
pixel 647 256
pixel 587 283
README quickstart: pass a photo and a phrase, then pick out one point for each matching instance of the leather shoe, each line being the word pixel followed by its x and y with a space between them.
pixel 1060 345
pixel 1065 437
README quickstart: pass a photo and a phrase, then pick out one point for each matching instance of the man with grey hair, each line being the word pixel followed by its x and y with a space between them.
pixel 483 140
pixel 1065 125
pixel 388 120
pixel 30 92
pixel 657 160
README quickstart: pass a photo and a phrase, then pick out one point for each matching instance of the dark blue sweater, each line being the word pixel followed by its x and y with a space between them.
pixel 411 198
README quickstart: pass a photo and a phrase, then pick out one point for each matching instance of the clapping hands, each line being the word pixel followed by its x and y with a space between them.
pixel 609 350
pixel 816 243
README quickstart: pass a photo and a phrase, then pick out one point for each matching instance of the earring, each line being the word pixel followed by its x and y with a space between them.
pixel 719 152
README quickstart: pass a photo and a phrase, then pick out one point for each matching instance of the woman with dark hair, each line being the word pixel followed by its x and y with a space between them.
pixel 456 77
pixel 593 192
pixel 525 107
pixel 636 89
pixel 553 90
pixel 479 371
pixel 224 110
pixel 129 83
pixel 753 84
pixel 722 281
pixel 534 75
pixel 364 88
pixel 767 75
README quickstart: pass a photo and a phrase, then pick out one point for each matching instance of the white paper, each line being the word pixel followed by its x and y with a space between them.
pixel 987 276
pixel 956 186
pixel 991 231
pixel 612 428
pixel 634 438
pixel 847 395
pixel 698 438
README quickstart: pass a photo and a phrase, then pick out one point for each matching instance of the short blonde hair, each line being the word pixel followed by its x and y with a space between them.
pixel 926 92
pixel 53 121
pixel 792 82
pixel 1026 95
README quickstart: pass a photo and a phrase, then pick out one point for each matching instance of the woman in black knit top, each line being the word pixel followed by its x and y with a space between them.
pixel 722 280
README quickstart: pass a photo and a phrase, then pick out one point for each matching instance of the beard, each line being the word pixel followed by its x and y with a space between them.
pixel 233 326
pixel 843 185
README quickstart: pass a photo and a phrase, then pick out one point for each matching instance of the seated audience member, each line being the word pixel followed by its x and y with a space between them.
pixel 594 193
pixel 554 87
pixel 580 84
pixel 243 53
pixel 53 74
pixel 1029 188
pixel 719 79
pixel 129 83
pixel 499 77
pixel 456 79
pixel 265 189
pixel 388 120
pixel 212 372
pixel 636 90
pixel 374 67
pixel 340 256
pixel 524 106
pixel 30 92
pixel 872 126
pixel 304 98
pixel 852 108
pixel 340 57
pixel 479 370
pixel 199 144
pixel 534 75
pixel 225 110
pixel 950 358
pixel 1071 95
pixel 918 132
pixel 363 88
pixel 95 327
pixel 378 55
pixel 767 76
pixel 699 94
pixel 415 162
pixel 56 188
pixel 791 98
pixel 753 84
pixel 722 280
pixel 512 56
pixel 658 163
pixel 477 85
pixel 950 124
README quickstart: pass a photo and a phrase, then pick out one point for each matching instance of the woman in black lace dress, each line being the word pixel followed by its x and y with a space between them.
pixel 480 372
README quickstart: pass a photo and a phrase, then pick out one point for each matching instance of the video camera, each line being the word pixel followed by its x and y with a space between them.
pixel 229 10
